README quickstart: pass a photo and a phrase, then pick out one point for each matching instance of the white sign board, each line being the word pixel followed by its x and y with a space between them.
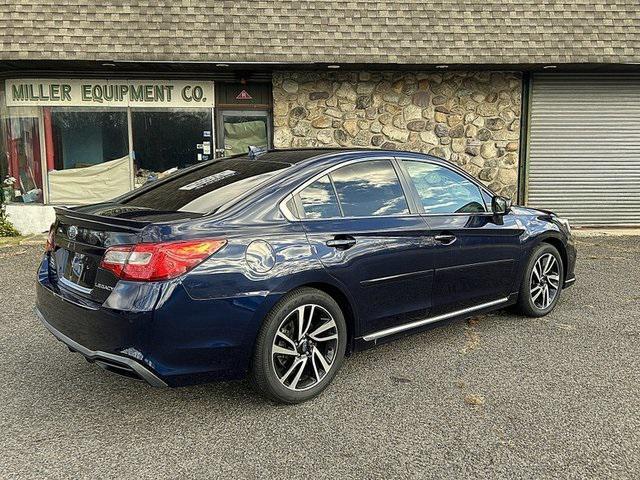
pixel 109 93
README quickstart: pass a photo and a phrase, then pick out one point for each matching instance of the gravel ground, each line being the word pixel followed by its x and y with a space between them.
pixel 499 396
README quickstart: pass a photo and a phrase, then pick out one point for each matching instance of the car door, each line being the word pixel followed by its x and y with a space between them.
pixel 369 237
pixel 484 247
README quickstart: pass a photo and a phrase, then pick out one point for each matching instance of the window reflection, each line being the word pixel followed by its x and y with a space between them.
pixel 319 200
pixel 166 139
pixel 369 189
pixel 444 191
pixel 205 188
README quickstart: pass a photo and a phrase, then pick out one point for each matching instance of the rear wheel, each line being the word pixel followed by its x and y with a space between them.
pixel 542 282
pixel 300 347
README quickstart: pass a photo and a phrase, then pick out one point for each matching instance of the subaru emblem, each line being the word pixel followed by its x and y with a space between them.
pixel 77 264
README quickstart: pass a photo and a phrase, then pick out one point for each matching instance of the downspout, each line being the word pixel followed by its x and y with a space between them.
pixel 523 151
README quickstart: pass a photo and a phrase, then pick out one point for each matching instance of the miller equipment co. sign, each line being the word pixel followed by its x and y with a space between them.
pixel 114 93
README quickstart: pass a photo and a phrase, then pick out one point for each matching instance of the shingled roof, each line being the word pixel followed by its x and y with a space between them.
pixel 355 31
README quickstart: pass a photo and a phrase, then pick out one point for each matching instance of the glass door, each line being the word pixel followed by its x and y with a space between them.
pixel 239 129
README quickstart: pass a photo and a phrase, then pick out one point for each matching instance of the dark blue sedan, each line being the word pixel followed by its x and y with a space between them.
pixel 276 264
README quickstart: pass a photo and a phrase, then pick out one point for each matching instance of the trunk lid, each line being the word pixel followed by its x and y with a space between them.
pixel 83 234
pixel 80 242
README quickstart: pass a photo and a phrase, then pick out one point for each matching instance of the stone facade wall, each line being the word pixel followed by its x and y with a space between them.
pixel 469 118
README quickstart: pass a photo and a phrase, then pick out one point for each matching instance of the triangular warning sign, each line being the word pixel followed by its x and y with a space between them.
pixel 244 95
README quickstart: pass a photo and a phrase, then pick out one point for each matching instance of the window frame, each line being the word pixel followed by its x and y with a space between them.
pixel 298 216
pixel 414 192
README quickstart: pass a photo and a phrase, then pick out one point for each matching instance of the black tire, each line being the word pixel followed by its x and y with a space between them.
pixel 265 362
pixel 526 304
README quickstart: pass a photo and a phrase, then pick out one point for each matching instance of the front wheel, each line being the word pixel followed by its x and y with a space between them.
pixel 542 282
pixel 300 347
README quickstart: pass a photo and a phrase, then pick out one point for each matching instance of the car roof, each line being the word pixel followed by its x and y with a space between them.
pixel 292 156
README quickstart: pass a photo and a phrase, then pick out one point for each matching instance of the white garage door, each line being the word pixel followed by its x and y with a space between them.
pixel 584 148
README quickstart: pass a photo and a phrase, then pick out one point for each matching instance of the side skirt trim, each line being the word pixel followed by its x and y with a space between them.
pixel 426 321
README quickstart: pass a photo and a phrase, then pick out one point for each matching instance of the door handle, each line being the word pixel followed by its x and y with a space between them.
pixel 445 238
pixel 341 243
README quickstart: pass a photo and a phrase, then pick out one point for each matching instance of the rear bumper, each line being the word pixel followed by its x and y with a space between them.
pixel 141 329
pixel 106 360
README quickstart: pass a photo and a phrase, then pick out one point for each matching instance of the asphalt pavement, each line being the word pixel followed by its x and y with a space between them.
pixel 499 396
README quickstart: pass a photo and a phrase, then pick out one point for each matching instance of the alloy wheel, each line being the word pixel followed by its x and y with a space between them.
pixel 304 347
pixel 545 281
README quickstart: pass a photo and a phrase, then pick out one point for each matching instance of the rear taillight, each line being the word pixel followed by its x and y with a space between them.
pixel 158 261
pixel 51 244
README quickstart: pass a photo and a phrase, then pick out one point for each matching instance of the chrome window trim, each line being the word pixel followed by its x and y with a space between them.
pixel 470 214
pixel 400 158
pixel 409 326
pixel 286 212
pixel 400 215
pixel 306 183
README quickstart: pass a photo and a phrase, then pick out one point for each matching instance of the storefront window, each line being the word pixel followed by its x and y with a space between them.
pixel 20 146
pixel 166 139
pixel 87 154
pixel 79 141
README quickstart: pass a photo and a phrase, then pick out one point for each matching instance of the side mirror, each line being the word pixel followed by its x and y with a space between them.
pixel 500 205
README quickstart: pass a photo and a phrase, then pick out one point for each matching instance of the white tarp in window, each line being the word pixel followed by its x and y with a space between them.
pixel 94 184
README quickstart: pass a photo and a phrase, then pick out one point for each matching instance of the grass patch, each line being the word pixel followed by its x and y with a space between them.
pixel 39 239
pixel 6 228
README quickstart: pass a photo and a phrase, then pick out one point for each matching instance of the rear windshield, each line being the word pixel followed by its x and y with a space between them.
pixel 205 189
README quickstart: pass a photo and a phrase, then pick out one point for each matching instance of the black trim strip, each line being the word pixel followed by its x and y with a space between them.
pixel 491 262
pixel 393 278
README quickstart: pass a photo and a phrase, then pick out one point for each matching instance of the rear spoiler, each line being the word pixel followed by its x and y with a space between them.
pixel 68 215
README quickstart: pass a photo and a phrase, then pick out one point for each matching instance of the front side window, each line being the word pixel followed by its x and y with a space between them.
pixel 319 200
pixel 369 188
pixel 442 190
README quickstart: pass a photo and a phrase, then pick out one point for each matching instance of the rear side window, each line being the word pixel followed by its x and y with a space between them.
pixel 205 189
pixel 319 200
pixel 442 190
pixel 369 188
